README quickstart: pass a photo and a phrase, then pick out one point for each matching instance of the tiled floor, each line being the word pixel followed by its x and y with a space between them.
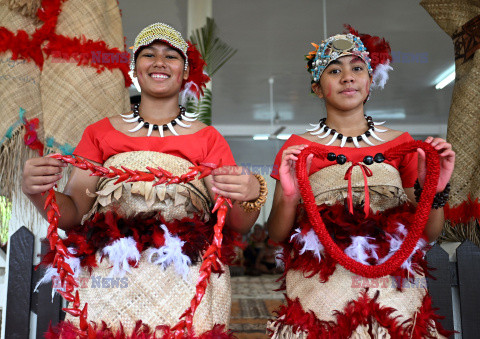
pixel 253 303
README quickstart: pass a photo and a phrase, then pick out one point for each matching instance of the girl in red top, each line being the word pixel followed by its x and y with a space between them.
pixel 151 238
pixel 367 222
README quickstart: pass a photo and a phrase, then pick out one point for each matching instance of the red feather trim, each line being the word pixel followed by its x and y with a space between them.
pixel 378 48
pixel 360 312
pixel 341 225
pixel 103 229
pixel 463 213
pixel 67 330
pixel 20 45
pixel 196 65
pixel 83 51
pixel 87 52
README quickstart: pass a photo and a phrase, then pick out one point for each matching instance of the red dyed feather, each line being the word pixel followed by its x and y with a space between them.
pixel 378 48
pixel 359 312
pixel 196 65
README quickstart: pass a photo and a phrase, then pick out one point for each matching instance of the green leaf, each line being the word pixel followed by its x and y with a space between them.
pixel 215 52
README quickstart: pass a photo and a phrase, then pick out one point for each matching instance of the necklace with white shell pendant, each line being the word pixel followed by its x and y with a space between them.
pixel 322 127
pixel 136 118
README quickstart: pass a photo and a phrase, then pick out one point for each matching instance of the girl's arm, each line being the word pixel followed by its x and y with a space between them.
pixel 282 215
pixel 436 218
pixel 41 174
pixel 236 183
pixel 287 195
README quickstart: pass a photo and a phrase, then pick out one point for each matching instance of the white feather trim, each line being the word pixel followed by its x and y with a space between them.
pixel 119 253
pixel 380 75
pixel 279 259
pixel 51 272
pixel 170 253
pixel 360 248
pixel 408 263
pixel 189 93
pixel 309 241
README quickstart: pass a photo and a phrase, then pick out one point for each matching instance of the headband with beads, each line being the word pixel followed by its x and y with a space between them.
pixel 373 50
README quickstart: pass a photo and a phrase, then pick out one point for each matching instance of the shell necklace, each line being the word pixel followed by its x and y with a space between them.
pixel 136 118
pixel 322 127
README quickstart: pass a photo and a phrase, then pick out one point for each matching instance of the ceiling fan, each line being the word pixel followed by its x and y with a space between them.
pixel 274 116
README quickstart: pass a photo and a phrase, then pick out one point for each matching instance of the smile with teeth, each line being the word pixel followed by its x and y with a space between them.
pixel 159 76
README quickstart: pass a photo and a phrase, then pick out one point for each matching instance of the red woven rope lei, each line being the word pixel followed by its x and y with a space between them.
pixel 415 231
pixel 65 272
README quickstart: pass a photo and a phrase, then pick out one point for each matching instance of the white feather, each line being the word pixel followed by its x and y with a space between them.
pixel 359 249
pixel 396 241
pixel 119 253
pixel 380 75
pixel 408 263
pixel 309 241
pixel 188 93
pixel 279 258
pixel 51 272
pixel 170 253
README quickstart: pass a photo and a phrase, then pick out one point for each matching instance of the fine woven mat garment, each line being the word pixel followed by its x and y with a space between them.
pixel 464 118
pixel 324 298
pixel 27 8
pixel 153 295
pixel 20 87
pixel 385 186
pixel 175 201
pixel 73 96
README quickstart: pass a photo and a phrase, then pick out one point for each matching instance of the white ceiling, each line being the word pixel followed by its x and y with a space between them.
pixel 272 37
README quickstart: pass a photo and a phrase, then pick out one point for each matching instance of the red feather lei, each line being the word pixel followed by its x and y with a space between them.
pixel 60 252
pixel 341 226
pixel 415 231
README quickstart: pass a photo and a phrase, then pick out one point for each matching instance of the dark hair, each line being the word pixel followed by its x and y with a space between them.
pixel 135 99
pixel 158 40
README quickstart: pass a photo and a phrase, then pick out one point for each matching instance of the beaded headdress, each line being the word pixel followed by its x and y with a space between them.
pixel 374 51
pixel 193 86
pixel 335 47
pixel 162 32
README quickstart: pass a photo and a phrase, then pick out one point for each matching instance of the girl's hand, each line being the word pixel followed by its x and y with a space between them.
pixel 41 174
pixel 447 162
pixel 235 182
pixel 288 178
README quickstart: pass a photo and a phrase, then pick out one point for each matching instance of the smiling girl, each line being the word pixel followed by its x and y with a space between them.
pixel 153 236
pixel 366 202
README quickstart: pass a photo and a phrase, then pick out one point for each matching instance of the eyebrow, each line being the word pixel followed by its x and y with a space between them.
pixel 356 59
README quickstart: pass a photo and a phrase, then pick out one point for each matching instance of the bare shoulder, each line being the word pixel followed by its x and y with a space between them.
pixel 309 137
pixel 388 133
pixel 196 126
pixel 118 124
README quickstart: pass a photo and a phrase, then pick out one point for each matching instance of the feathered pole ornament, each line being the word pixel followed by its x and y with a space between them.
pixel 380 55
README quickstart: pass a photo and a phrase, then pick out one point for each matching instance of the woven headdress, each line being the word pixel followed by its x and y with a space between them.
pixel 197 78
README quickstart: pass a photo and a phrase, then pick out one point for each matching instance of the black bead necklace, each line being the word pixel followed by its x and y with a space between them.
pixel 368 160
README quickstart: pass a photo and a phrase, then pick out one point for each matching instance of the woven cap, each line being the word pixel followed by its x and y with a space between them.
pixel 162 32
